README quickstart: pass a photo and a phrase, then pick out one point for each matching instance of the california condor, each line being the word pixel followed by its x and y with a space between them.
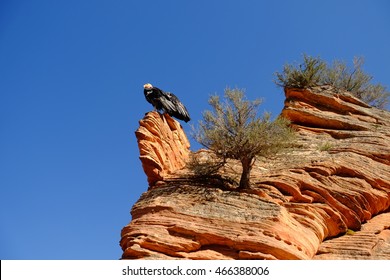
pixel 166 101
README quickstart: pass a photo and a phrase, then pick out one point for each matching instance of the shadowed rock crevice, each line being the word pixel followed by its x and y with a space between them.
pixel 326 198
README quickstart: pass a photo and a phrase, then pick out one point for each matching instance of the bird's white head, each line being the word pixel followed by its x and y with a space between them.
pixel 148 86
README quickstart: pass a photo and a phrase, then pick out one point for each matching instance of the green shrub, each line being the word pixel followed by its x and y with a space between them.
pixel 375 95
pixel 315 72
pixel 232 130
pixel 354 80
pixel 325 147
pixel 307 74
pixel 342 77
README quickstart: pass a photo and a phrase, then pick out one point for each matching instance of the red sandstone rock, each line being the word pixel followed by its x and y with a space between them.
pixel 163 146
pixel 323 199
pixel 371 242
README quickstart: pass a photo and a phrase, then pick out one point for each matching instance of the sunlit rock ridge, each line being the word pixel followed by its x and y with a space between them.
pixel 326 198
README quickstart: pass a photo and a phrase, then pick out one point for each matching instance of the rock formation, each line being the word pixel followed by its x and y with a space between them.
pixel 326 198
pixel 163 146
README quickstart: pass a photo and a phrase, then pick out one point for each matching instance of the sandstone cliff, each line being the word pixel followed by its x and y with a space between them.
pixel 327 198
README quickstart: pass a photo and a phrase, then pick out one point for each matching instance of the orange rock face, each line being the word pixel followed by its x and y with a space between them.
pixel 326 198
pixel 163 146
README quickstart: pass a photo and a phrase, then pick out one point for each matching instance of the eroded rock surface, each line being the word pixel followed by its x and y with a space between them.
pixel 163 145
pixel 326 198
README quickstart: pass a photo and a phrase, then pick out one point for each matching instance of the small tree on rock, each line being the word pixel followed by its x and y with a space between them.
pixel 232 130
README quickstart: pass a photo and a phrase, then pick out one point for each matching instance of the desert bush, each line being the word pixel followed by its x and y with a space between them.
pixel 232 130
pixel 304 75
pixel 357 82
pixel 314 72
pixel 325 147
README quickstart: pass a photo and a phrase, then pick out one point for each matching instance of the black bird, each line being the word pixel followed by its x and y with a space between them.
pixel 166 101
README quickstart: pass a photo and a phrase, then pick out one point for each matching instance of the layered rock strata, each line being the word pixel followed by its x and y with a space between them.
pixel 326 198
pixel 163 146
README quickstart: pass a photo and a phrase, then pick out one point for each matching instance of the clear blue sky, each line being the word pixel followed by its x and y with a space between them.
pixel 71 76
